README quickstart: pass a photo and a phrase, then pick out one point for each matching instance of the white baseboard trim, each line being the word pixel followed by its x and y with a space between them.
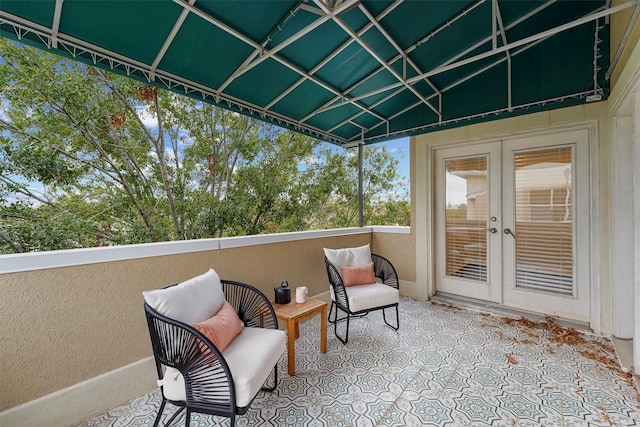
pixel 324 296
pixel 412 290
pixel 73 405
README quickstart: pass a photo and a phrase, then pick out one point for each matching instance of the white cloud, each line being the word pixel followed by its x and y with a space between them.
pixel 148 118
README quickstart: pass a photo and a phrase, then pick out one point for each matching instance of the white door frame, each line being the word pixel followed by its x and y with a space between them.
pixel 625 141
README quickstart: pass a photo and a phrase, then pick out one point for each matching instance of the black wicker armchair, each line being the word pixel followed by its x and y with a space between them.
pixel 195 375
pixel 357 301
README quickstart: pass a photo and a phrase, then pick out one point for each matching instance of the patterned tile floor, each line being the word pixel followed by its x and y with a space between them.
pixel 444 367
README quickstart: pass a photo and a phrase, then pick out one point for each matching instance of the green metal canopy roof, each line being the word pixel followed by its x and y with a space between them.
pixel 344 71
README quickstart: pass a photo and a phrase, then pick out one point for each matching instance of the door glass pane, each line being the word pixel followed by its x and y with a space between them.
pixel 544 220
pixel 466 218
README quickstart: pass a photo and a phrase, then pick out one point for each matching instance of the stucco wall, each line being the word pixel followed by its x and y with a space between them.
pixel 400 250
pixel 619 23
pixel 62 326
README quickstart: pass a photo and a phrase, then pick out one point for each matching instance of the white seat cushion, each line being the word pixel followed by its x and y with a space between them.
pixel 364 297
pixel 251 357
pixel 173 383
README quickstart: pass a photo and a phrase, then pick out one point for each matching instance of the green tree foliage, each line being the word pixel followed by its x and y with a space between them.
pixel 90 158
pixel 380 179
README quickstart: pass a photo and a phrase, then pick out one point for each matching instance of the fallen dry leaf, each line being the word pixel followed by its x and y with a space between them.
pixel 528 342
pixel 513 421
pixel 512 359
pixel 550 350
pixel 443 304
pixel 606 416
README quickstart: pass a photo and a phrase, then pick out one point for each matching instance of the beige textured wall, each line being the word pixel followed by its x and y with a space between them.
pixel 62 326
pixel 400 250
pixel 619 23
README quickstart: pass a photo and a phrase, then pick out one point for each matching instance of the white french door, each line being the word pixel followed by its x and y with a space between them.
pixel 468 230
pixel 512 222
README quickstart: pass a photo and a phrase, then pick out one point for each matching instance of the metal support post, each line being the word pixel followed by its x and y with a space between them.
pixel 360 189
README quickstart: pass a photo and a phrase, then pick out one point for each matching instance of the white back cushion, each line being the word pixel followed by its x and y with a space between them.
pixel 349 257
pixel 191 301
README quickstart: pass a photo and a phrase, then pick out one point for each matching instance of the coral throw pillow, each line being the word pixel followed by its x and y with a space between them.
pixel 222 328
pixel 352 276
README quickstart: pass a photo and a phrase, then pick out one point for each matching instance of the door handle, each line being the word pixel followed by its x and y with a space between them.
pixel 492 230
pixel 508 231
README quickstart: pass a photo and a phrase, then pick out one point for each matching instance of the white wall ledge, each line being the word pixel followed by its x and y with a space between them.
pixel 13 263
pixel 264 239
pixel 397 229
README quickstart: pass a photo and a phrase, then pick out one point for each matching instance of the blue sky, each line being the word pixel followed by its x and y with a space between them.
pixel 400 149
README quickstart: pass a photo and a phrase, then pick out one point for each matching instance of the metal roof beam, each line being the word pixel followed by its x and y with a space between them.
pixel 167 42
pixel 451 64
pixel 526 40
pixel 55 25
pixel 443 27
pixel 329 88
pixel 364 29
pixel 264 55
pixel 393 43
pixel 248 64
pixel 76 47
pixel 331 104
pixel 474 116
pixel 472 75
pixel 335 53
pixel 503 35
pixel 489 66
pixel 339 95
pixel 245 64
pixel 386 98
pixel 402 55
pixel 191 8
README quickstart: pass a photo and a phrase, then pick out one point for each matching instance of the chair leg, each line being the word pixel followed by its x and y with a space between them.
pixel 336 320
pixel 384 316
pixel 187 421
pixel 335 327
pixel 174 416
pixel 331 311
pixel 275 380
pixel 157 421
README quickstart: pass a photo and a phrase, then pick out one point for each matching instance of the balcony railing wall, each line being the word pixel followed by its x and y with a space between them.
pixel 71 316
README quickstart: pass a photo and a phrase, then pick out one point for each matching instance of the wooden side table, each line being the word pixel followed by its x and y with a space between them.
pixel 293 313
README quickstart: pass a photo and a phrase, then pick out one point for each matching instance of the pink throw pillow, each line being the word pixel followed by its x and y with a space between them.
pixel 221 329
pixel 353 276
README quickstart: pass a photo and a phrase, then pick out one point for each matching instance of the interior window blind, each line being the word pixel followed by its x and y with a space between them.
pixel 466 218
pixel 544 220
